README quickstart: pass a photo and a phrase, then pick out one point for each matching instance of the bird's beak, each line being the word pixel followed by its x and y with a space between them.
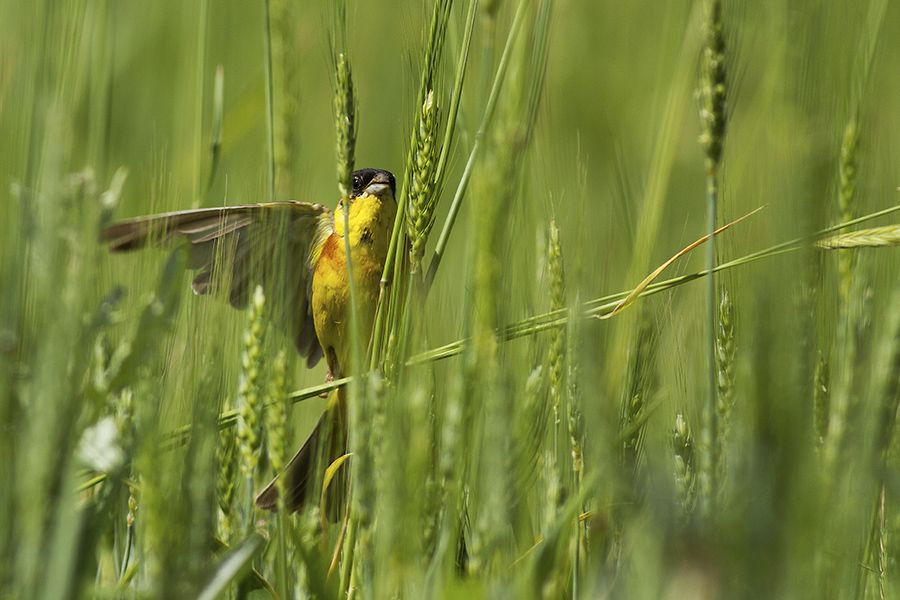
pixel 378 186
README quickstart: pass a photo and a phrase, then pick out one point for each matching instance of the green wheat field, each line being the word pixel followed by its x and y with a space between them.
pixel 725 436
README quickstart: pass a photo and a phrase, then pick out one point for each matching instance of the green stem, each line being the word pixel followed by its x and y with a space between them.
pixel 457 92
pixel 126 555
pixel 355 341
pixel 485 121
pixel 712 372
pixel 270 109
pixel 201 68
pixel 281 556
pixel 347 562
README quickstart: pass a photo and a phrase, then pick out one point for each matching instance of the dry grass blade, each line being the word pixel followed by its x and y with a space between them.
pixel 649 279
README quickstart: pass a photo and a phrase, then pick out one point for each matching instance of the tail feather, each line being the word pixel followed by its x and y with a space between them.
pixel 305 472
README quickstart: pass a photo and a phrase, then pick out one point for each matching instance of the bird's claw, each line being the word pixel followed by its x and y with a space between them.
pixel 329 377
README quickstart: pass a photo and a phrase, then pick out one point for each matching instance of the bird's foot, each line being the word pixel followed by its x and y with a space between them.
pixel 329 377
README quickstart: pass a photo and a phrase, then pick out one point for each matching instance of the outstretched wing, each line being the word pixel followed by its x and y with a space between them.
pixel 236 248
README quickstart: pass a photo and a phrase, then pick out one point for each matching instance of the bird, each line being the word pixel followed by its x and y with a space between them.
pixel 296 251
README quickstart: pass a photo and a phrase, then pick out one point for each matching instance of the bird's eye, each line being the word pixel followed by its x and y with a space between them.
pixel 356 182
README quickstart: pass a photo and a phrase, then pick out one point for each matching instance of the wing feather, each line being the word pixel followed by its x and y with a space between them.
pixel 236 248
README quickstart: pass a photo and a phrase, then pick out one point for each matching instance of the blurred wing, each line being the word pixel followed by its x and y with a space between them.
pixel 236 248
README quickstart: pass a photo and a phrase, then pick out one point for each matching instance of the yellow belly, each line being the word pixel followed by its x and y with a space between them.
pixel 370 228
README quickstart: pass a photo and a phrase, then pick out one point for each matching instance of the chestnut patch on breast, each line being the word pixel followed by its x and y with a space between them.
pixel 331 248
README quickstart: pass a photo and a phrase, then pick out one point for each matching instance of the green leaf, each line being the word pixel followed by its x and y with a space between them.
pixel 232 568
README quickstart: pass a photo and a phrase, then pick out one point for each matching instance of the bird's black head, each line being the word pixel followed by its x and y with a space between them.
pixel 376 179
